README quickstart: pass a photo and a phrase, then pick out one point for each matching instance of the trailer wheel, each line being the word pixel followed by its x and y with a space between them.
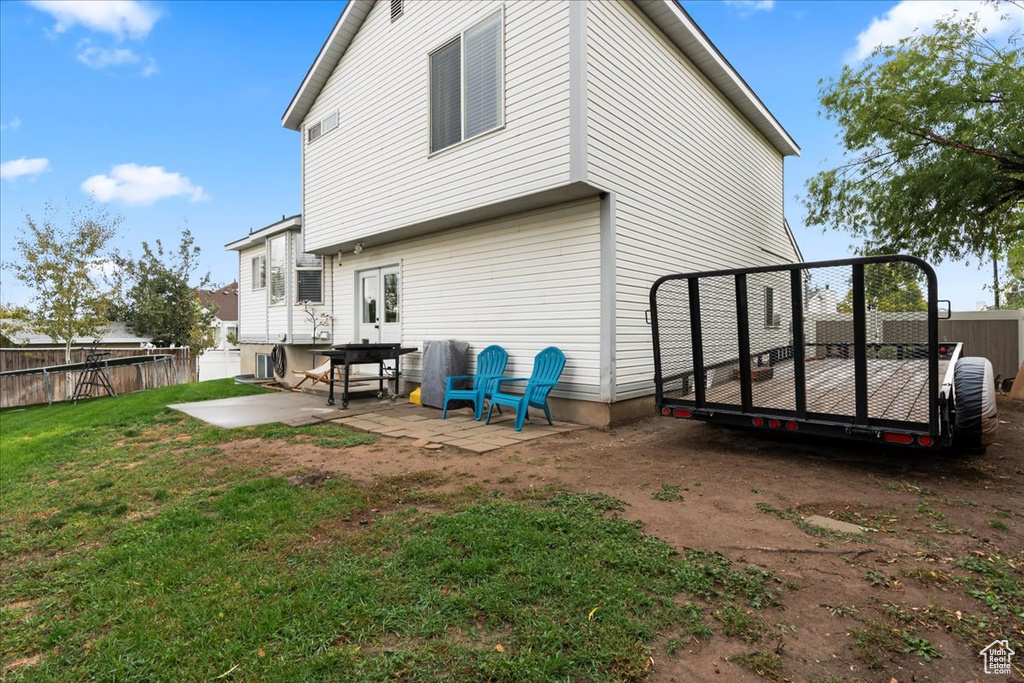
pixel 974 405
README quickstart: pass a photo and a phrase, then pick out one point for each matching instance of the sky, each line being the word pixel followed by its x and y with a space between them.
pixel 169 113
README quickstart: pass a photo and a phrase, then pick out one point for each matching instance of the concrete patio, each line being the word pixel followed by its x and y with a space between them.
pixel 399 419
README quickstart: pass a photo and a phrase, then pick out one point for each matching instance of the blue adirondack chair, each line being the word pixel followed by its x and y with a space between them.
pixel 490 364
pixel 547 367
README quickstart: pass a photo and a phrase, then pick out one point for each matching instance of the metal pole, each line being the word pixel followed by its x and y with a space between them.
pixel 743 335
pixel 697 342
pixel 860 346
pixel 796 293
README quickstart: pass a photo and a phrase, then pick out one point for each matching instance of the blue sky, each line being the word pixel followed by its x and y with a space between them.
pixel 170 112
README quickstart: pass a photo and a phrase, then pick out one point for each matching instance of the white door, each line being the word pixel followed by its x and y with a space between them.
pixel 379 306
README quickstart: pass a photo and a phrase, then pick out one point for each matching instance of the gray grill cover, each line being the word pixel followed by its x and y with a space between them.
pixel 441 359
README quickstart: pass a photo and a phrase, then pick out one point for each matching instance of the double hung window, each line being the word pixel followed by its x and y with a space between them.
pixel 467 84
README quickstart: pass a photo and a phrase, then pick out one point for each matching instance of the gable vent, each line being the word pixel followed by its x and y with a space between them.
pixel 396 8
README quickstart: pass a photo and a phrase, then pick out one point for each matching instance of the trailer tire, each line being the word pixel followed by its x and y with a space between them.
pixel 974 405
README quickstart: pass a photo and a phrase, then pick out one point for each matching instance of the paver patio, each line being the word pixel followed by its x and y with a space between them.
pixel 459 429
pixel 399 419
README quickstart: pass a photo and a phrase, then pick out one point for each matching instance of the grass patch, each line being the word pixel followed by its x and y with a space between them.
pixel 761 662
pixel 668 493
pixel 146 557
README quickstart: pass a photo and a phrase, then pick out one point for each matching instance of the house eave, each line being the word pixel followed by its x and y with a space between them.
pixel 683 31
pixel 352 17
pixel 528 202
pixel 253 238
pixel 667 15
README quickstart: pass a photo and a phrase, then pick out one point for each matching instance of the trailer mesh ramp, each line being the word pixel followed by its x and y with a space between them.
pixel 849 342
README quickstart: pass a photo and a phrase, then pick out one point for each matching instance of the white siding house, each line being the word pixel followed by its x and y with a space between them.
pixel 519 173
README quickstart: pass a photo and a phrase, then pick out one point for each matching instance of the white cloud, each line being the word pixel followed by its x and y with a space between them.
pixel 748 6
pixel 17 168
pixel 150 68
pixel 119 18
pixel 143 185
pixel 101 57
pixel 13 125
pixel 920 15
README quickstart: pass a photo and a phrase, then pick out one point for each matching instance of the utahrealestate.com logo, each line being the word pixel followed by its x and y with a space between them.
pixel 997 657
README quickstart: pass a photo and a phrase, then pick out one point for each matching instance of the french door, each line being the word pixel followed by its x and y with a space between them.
pixel 379 320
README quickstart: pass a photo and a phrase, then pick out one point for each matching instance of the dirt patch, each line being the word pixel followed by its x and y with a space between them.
pixel 19 663
pixel 745 495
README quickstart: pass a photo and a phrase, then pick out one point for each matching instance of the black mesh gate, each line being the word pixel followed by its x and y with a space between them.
pixel 849 345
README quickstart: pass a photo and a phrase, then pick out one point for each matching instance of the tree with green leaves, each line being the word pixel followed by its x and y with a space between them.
pixel 1013 292
pixel 158 297
pixel 59 259
pixel 934 160
pixel 891 287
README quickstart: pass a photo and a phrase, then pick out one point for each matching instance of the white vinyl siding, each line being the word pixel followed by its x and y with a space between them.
pixel 373 174
pixel 697 187
pixel 252 303
pixel 525 282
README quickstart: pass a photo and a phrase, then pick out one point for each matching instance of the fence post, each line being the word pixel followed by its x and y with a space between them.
pixel 49 390
pixel 142 376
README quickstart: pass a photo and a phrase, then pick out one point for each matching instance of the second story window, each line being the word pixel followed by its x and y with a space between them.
pixel 467 84
pixel 259 272
pixel 322 127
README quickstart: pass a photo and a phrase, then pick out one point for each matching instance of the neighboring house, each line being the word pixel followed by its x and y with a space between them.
pixel 517 173
pixel 222 359
pixel 114 335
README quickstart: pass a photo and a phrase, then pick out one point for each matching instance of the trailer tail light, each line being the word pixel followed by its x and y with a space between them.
pixel 891 437
pixel 792 426
pixel 679 412
pixel 774 424
pixel 925 441
pixel 758 422
pixel 666 411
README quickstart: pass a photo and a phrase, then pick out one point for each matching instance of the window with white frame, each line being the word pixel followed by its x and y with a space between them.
pixel 467 84
pixel 322 127
pixel 309 275
pixel 259 272
pixel 278 248
pixel 771 318
pixel 264 366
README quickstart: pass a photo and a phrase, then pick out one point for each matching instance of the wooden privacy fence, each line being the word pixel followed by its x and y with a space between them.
pixel 30 376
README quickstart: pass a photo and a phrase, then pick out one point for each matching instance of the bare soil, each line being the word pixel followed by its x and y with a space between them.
pixel 930 510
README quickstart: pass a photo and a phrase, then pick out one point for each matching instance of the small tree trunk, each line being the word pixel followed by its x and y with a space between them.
pixel 995 277
pixel 67 351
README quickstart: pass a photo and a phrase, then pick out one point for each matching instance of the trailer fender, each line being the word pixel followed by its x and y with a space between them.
pixel 974 401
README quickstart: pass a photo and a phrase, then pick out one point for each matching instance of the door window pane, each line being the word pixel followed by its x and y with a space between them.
pixel 391 298
pixel 370 299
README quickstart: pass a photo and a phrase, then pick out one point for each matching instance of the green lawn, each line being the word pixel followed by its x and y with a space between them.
pixel 131 552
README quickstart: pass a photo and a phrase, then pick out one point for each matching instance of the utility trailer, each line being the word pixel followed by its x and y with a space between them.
pixel 847 348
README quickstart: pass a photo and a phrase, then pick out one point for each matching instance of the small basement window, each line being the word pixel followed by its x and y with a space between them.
pixel 264 366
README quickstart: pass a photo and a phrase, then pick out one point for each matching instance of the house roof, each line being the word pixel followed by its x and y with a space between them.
pixel 257 236
pixel 224 301
pixel 112 333
pixel 667 15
